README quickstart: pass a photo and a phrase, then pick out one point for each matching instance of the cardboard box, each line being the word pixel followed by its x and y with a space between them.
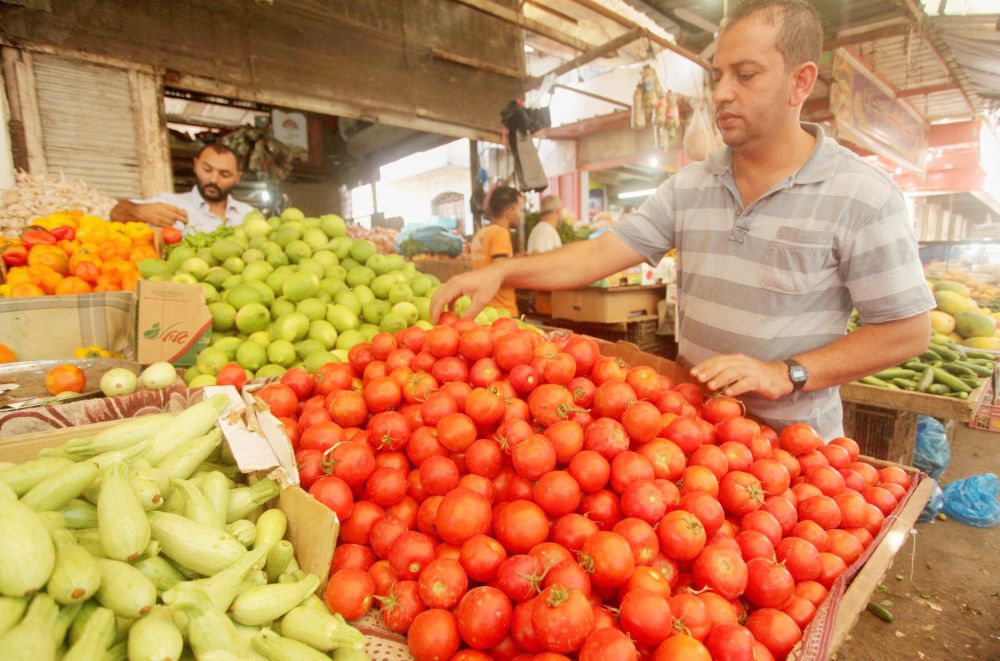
pixel 172 322
pixel 52 327
pixel 606 306
pixel 629 277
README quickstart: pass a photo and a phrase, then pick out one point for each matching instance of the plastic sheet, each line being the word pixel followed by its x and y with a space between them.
pixel 973 501
pixel 932 453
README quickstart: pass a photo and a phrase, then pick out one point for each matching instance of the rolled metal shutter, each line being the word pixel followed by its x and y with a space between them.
pixel 88 123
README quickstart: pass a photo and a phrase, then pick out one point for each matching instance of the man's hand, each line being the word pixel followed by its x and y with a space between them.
pixel 160 214
pixel 480 285
pixel 736 374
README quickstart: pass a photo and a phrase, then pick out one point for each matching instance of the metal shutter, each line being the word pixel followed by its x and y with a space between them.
pixel 88 124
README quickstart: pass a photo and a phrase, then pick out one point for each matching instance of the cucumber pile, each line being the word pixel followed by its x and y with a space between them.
pixel 144 543
pixel 944 368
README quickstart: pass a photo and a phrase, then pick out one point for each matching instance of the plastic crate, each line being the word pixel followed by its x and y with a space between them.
pixel 987 416
pixel 882 433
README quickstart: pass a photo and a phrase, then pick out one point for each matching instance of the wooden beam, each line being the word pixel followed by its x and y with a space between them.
pixel 871 35
pixel 516 18
pixel 476 63
pixel 929 89
pixel 588 56
pixel 605 99
pixel 598 8
pixel 549 10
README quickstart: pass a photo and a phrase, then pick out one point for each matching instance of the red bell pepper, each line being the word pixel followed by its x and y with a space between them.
pixel 15 255
pixel 64 233
pixel 37 237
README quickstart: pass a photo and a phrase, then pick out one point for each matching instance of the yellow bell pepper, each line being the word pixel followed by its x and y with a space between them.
pixel 135 230
pixel 5 291
pixel 93 351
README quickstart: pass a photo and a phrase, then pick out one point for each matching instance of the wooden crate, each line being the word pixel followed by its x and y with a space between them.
pixel 936 406
pixel 882 433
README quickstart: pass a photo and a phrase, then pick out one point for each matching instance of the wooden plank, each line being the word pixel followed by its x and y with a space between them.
pixel 915 402
pixel 855 599
pixel 588 56
pixel 476 63
pixel 516 18
pixel 30 117
pixel 151 133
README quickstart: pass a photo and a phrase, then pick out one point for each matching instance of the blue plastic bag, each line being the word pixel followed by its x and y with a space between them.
pixel 934 505
pixel 974 500
pixel 932 453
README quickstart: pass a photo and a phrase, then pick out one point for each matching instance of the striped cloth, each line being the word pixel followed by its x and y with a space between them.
pixel 780 277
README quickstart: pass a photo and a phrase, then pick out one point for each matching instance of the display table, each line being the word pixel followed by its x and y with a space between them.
pixel 884 422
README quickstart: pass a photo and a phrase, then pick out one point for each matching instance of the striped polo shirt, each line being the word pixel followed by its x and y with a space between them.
pixel 780 277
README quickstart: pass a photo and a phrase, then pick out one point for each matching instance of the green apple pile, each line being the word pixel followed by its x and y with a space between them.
pixel 293 291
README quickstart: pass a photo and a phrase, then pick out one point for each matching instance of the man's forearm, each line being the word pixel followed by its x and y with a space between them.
pixel 871 348
pixel 123 212
pixel 574 265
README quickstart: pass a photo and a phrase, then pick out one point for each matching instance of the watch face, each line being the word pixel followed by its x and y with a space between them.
pixel 797 373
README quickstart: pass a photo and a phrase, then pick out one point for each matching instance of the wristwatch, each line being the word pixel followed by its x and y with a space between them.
pixel 797 374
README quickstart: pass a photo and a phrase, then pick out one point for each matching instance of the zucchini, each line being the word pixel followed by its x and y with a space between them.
pixel 182 462
pixel 196 505
pixel 27 554
pixel 254 578
pixel 197 547
pixel 121 519
pixel 110 630
pixel 981 355
pixel 243 530
pixel 956 384
pixel 52 520
pixel 216 488
pixel 321 630
pixel 117 652
pixel 23 477
pixel 278 648
pixel 147 490
pixel 124 589
pixel 119 437
pixel 61 487
pixel 90 539
pixel 31 638
pixel 264 604
pixel 76 576
pixel 221 588
pixel 79 514
pixel 930 355
pixel 244 500
pixel 158 570
pixel 155 637
pixel 349 654
pixel 127 455
pixel 11 610
pixel 271 527
pixel 93 640
pixel 279 559
pixel 245 635
pixel 66 616
pixel 189 424
pixel 232 473
pixel 208 629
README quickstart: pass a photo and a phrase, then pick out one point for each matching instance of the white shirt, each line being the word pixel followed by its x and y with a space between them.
pixel 543 238
pixel 200 217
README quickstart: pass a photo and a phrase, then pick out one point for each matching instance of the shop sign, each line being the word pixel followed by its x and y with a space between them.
pixel 869 114
pixel 290 128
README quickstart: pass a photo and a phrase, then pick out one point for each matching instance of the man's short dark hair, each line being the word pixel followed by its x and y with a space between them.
pixel 501 198
pixel 220 148
pixel 801 37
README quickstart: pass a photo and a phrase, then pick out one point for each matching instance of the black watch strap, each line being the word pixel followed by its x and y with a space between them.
pixel 797 374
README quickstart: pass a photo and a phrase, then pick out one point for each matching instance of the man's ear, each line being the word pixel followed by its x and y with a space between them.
pixel 803 81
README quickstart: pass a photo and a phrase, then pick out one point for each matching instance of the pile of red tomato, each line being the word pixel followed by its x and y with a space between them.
pixel 509 497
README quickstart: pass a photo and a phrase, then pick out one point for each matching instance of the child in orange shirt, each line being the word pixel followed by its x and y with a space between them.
pixel 506 206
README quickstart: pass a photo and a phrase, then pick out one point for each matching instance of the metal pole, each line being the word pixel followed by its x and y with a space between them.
pixel 477 212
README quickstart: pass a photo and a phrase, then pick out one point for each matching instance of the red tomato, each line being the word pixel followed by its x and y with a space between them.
pixel 533 457
pixel 442 583
pixel 280 399
pixel 832 567
pixel 845 545
pixel 753 544
pixel 612 398
pixel 799 438
pixel 322 435
pixel 628 467
pixel 418 387
pixel 681 535
pixel 837 456
pixel 386 486
pixel 783 511
pixel 720 610
pixel 333 377
pixel 349 592
pixel 584 351
pixel 590 470
pixel 556 492
pixel 484 617
pixel 775 630
pixel 641 537
pixel 382 577
pixel 347 408
pixel 812 591
pixel 826 479
pixel 764 523
pixel 737 430
pixel 382 394
pixel 691 614
pixel 720 408
pixel 646 617
pixel 608 368
pixel 566 437
pixel 462 514
pixel 602 508
pixel 730 641
pixel 450 370
pixel 561 618
pixel 666 457
pixel 439 475
pixel 686 433
pixel 335 494
pixel 769 584
pixel 359 356
pixel 410 553
pixel 358 528
pixel 849 444
pixel 519 577
pixel 402 606
pixel 699 478
pixel 481 557
pixel 608 644
pixel 643 500
pixel 740 493
pixel 572 530
pixel 713 458
pixel 352 555
pixel 300 381
pixel 681 646
pixel 520 525
pixel 821 509
pixel 721 569
pixel 813 533
pixel 311 467
pixel 774 477
pixel 233 374
pixel 608 557
pixel 645 382
pixel 456 432
pixel 550 403
pixel 433 636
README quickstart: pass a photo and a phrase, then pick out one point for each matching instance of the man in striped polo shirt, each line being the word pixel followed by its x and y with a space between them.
pixel 778 236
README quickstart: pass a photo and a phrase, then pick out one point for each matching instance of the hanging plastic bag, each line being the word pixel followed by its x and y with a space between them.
pixel 932 453
pixel 973 501
pixel 934 505
pixel 698 137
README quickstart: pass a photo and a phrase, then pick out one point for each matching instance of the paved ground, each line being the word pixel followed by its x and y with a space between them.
pixel 944 588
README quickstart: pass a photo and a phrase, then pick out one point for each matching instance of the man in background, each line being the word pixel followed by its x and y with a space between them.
pixel 492 242
pixel 202 209
pixel 545 237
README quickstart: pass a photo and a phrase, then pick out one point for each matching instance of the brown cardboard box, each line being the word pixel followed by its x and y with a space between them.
pixel 606 305
pixel 172 322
